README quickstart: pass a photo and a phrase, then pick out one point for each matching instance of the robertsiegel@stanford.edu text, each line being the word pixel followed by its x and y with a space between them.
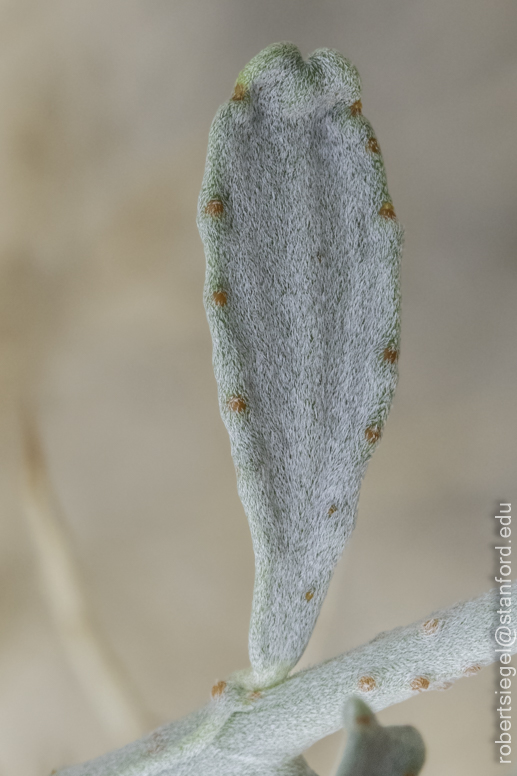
pixel 505 635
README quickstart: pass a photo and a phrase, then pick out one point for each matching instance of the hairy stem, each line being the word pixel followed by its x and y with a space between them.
pixel 265 731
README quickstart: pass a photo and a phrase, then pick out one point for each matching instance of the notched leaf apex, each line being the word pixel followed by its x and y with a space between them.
pixel 280 74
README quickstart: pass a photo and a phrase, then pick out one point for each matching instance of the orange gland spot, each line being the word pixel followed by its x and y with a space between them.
pixel 373 146
pixel 366 683
pixel 239 93
pixel 220 298
pixel 218 689
pixel 356 108
pixel 471 670
pixel 309 595
pixel 388 211
pixel 391 355
pixel 372 434
pixel 364 719
pixel 430 626
pixel 420 683
pixel 214 207
pixel 236 404
pixel 332 509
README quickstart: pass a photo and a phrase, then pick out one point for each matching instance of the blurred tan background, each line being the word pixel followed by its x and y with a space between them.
pixel 105 111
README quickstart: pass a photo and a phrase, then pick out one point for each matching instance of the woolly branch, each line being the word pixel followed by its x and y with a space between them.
pixel 427 655
pixel 249 731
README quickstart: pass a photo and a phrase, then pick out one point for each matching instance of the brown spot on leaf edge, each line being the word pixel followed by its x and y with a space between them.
pixel 237 404
pixel 218 689
pixel 420 683
pixel 373 146
pixel 366 683
pixel 388 211
pixel 471 670
pixel 356 108
pixel 220 298
pixel 391 355
pixel 239 93
pixel 430 626
pixel 214 207
pixel 372 434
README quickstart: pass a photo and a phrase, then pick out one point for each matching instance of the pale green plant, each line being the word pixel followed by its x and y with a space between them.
pixel 302 295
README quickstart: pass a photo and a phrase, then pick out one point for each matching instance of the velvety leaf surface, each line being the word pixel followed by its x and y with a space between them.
pixel 302 297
